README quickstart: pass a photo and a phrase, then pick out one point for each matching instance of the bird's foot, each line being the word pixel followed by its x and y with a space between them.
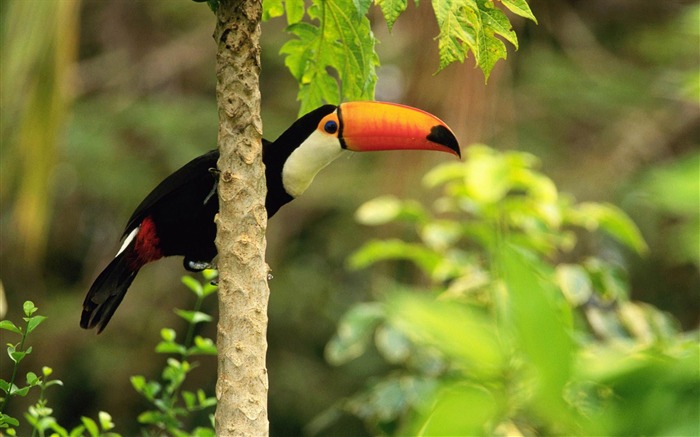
pixel 198 266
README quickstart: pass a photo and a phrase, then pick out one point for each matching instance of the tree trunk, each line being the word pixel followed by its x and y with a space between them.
pixel 242 384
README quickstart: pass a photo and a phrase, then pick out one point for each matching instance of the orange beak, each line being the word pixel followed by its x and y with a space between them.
pixel 375 126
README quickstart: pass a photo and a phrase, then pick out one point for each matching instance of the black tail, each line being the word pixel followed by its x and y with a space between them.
pixel 107 293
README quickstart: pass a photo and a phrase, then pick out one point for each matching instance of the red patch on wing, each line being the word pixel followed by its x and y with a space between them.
pixel 147 244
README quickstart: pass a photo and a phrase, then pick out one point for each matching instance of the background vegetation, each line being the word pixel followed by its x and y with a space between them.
pixel 101 100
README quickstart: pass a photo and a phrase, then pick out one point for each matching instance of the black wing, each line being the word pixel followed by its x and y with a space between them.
pixel 191 171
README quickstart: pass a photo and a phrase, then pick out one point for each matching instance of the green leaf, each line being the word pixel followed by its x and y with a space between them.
pixel 194 285
pixel 381 250
pixel 33 322
pixel 341 41
pixel 444 173
pixel 190 399
pixel 168 334
pixel 105 419
pixel 53 382
pixel 29 308
pixel 17 391
pixel 519 7
pixel 612 220
pixel 440 235
pixel 32 379
pixel 193 316
pixel 456 330
pixel 204 346
pixel 447 417
pixel 378 211
pixel 77 431
pixel 4 418
pixel 15 355
pixel 168 347
pixel 8 325
pixel 204 400
pixel 391 10
pixel 90 426
pixel 487 175
pixel 272 9
pixel 385 209
pixel 295 10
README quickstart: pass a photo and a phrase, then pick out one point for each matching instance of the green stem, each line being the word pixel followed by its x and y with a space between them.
pixel 190 330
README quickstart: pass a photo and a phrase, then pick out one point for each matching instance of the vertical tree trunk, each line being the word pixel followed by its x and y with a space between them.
pixel 242 383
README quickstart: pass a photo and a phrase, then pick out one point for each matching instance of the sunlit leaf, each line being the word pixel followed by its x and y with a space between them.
pixel 378 211
pixel 29 308
pixel 440 234
pixel 272 9
pixel 448 415
pixel 574 283
pixel 91 427
pixel 487 175
pixel 193 316
pixel 105 419
pixel 376 251
pixel 8 325
pixel 519 7
pixel 194 285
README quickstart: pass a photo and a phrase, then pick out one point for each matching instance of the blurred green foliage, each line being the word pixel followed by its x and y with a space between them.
pixel 505 338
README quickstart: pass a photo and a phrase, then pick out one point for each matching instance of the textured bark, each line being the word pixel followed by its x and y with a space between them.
pixel 242 384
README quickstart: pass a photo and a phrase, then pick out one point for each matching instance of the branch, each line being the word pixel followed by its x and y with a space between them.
pixel 242 383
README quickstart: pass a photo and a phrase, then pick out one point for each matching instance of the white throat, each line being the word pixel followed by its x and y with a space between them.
pixel 307 160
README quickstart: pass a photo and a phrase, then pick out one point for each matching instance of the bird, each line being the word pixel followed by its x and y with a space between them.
pixel 177 216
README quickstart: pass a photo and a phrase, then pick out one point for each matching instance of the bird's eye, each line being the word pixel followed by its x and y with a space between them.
pixel 331 127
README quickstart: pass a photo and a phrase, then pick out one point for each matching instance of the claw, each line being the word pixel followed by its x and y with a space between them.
pixel 215 173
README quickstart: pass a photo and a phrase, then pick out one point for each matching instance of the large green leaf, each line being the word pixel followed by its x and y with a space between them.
pixel 340 45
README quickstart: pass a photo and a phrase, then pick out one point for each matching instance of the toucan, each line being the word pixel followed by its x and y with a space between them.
pixel 177 217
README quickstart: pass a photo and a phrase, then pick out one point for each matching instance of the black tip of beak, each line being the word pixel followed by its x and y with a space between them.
pixel 441 135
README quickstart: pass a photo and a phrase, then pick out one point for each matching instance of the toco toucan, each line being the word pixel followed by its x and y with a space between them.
pixel 177 217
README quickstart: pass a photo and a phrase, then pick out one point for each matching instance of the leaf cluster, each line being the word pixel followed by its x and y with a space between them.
pixel 39 416
pixel 513 322
pixel 171 403
pixel 332 55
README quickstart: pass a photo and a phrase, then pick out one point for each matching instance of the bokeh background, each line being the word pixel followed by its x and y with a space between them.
pixel 103 99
